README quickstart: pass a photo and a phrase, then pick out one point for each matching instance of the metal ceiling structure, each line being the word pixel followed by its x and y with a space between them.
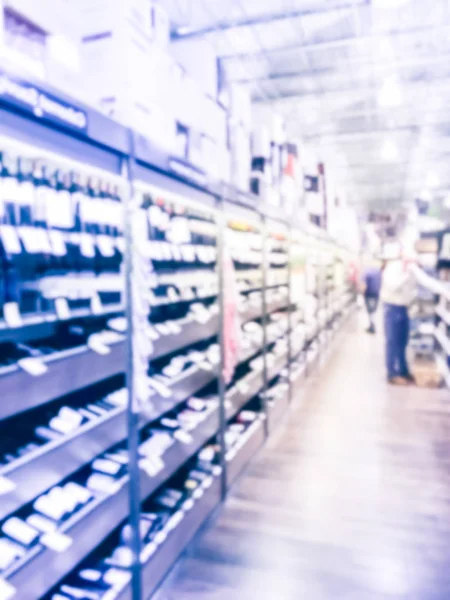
pixel 325 65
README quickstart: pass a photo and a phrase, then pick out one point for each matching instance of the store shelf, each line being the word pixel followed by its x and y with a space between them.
pixel 191 333
pixel 243 393
pixel 36 327
pixel 42 568
pixel 164 554
pixel 239 456
pixel 56 460
pixel 179 453
pixel 276 411
pixel 67 372
pixel 254 312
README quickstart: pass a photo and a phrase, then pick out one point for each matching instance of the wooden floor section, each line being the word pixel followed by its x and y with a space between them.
pixel 350 500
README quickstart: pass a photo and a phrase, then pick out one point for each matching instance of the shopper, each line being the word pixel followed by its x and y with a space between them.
pixel 371 290
pixel 398 291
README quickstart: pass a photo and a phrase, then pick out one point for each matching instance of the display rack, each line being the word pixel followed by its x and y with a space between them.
pixel 123 405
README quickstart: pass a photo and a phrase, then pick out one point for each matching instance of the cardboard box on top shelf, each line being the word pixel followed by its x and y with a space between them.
pixel 160 25
pixel 199 60
pixel 102 17
pixel 40 43
pixel 264 116
pixel 240 157
pixel 240 108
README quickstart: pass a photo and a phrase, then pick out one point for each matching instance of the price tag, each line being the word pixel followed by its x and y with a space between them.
pixel 188 504
pixel 96 344
pixel 10 239
pixel 56 541
pixel 208 482
pixel 7 591
pixel 148 551
pixel 105 244
pixel 175 520
pixel 57 243
pixel 183 436
pixel 217 470
pixel 62 309
pixel 11 314
pixel 6 486
pixel 198 493
pixel 161 537
pixel 206 366
pixel 96 305
pixel 33 366
pixel 87 246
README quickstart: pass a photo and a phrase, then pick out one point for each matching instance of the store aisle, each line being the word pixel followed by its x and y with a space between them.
pixel 350 500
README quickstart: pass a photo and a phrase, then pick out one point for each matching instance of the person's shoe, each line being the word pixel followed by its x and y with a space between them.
pixel 410 378
pixel 371 329
pixel 397 380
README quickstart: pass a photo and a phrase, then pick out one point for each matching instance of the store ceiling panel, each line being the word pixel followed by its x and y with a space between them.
pixel 363 81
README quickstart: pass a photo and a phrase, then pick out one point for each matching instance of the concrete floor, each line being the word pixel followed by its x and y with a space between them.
pixel 349 500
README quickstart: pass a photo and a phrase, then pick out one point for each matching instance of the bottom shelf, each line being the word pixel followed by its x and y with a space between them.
pixel 239 456
pixel 159 558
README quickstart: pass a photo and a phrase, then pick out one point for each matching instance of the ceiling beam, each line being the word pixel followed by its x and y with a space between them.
pixel 183 33
pixel 370 64
pixel 336 42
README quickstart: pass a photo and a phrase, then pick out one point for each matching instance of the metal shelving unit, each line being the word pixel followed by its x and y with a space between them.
pixel 138 166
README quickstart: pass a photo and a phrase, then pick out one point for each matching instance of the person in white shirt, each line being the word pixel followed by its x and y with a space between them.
pixel 398 292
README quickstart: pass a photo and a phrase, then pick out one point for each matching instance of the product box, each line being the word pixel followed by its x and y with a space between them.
pixel 160 26
pixel 240 105
pixel 199 60
pixel 102 17
pixel 264 116
pixel 240 157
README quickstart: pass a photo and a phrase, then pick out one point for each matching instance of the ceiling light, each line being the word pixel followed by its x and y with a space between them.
pixel 432 180
pixel 389 4
pixel 390 93
pixel 389 150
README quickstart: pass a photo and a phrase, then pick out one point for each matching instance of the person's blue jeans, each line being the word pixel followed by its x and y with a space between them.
pixel 396 325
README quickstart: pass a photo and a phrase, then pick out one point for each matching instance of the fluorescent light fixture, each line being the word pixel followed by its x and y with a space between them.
pixel 390 93
pixel 389 4
pixel 389 151
pixel 432 180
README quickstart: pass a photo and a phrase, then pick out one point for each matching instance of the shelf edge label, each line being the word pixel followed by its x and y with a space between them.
pixel 41 104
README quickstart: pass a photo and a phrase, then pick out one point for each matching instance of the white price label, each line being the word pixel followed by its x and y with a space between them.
pixel 175 520
pixel 10 239
pixel 208 482
pixel 98 346
pixel 160 537
pixel 87 246
pixel 33 366
pixel 96 305
pixel 198 493
pixel 11 314
pixel 56 541
pixel 148 551
pixel 183 436
pixel 188 504
pixel 6 486
pixel 62 309
pixel 57 243
pixel 7 591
